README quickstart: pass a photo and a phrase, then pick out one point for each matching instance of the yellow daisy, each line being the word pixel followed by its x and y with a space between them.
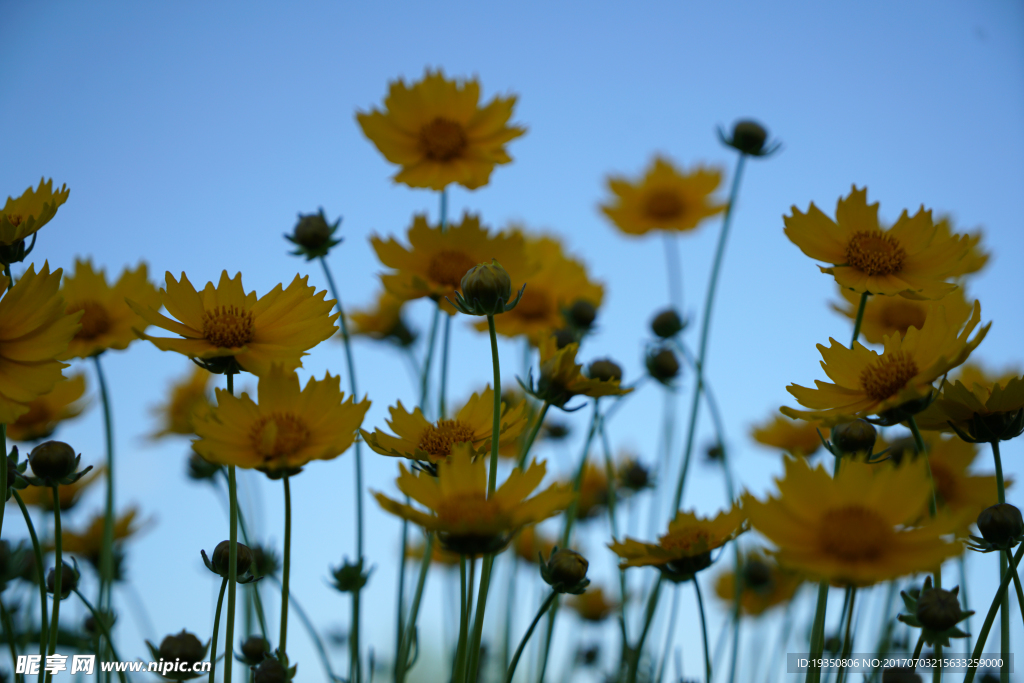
pixel 68 494
pixel 912 258
pixel 466 519
pixel 978 405
pixel 686 548
pixel 23 216
pixel 593 605
pixel 869 383
pixel 438 555
pixel 562 378
pixel 107 321
pixel 285 430
pixel 852 530
pixel 435 261
pixel 799 438
pixel 190 396
pixel 383 321
pixel 225 322
pixel 439 134
pixel 765 584
pixel 593 494
pixel 955 486
pixel 47 411
pixel 89 543
pixel 417 439
pixel 887 315
pixel 976 257
pixel 36 331
pixel 664 199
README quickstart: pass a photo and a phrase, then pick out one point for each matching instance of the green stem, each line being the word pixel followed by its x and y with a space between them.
pixel 673 269
pixel 860 317
pixel 933 505
pixel 1016 583
pixel 703 630
pixel 1004 618
pixel 612 498
pixel 818 631
pixel 317 640
pixel 999 472
pixel 670 631
pixel 442 408
pixel 428 358
pixel 478 626
pixel 965 605
pixel 106 555
pixel 652 605
pixel 528 444
pixel 492 476
pixel 991 616
pixel 526 637
pixel 918 648
pixel 40 575
pixel 102 624
pixel 9 636
pixel 58 573
pixel 414 610
pixel 459 674
pixel 229 629
pixel 216 629
pixel 286 571
pixel 848 637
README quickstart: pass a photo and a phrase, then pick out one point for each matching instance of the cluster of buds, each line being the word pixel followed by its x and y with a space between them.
pixel 219 565
pixel 313 235
pixel 486 290
pixel 565 571
pixel 936 612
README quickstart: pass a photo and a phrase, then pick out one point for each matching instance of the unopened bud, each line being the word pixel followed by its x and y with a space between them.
pixel 1001 525
pixel 938 609
pixel 52 461
pixel 582 314
pixel 68 580
pixel 667 324
pixel 663 364
pixel 854 437
pixel 605 370
pixel 221 557
pixel 487 288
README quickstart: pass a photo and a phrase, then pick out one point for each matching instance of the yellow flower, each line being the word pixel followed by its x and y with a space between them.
pixel 47 411
pixel 852 530
pixel 593 605
pixel 765 584
pixel 664 199
pixel 466 519
pixel 593 494
pixel 438 555
pixel 417 439
pixel 225 322
pixel 562 378
pixel 913 257
pixel 686 548
pixel 435 261
pixel 798 438
pixel 559 281
pixel 107 321
pixel 285 430
pixel 68 494
pixel 35 332
pixel 383 321
pixel 439 134
pixel 21 217
pixel 531 543
pixel 887 315
pixel 189 397
pixel 869 383
pixel 978 405
pixel 955 487
pixel 976 258
pixel 89 543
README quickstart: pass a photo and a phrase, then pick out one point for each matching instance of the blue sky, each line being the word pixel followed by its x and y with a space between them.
pixel 192 134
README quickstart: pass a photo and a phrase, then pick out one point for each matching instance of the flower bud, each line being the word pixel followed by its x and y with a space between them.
pixel 854 437
pixel 1001 525
pixel 634 476
pixel 221 556
pixel 564 337
pixel 183 647
pixel 662 364
pixel 312 231
pixel 199 468
pixel 68 580
pixel 264 561
pixel 938 609
pixel 556 431
pixel 52 461
pixel 582 314
pixel 486 288
pixel 749 137
pixel 270 671
pixel 565 571
pixel 757 575
pixel 667 324
pixel 254 650
pixel 605 370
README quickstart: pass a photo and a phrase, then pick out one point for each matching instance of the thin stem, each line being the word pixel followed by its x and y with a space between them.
pixel 287 570
pixel 528 444
pixel 860 317
pixel 37 550
pixel 612 503
pixel 1016 582
pixel 672 267
pixel 9 636
pixel 848 637
pixel 918 648
pixel 317 640
pixel 1001 487
pixel 703 629
pixel 526 637
pixel 216 629
pixel 478 626
pixel 402 561
pixel 668 422
pixel 425 370
pixel 442 400
pixel 652 605
pixel 229 630
pixel 965 604
pixel 58 573
pixel 102 624
pixel 818 631
pixel 1004 618
pixel 414 610
pixel 672 612
pixel 460 652
pixel 991 617
pixel 933 504
pixel 492 477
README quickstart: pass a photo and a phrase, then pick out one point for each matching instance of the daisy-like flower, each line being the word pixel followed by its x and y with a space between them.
pixel 593 494
pixel 435 261
pixel 417 439
pixel 49 410
pixel 68 494
pixel 36 331
pixel 686 548
pixel 978 407
pixel 289 427
pixel 976 257
pixel 438 555
pixel 956 487
pixel 913 257
pixel 765 584
pixel 383 321
pixel 107 321
pixel 888 315
pixel 190 396
pixel 23 216
pixel 869 383
pixel 439 134
pixel 853 530
pixel 593 606
pixel 224 322
pixel 465 518
pixel 562 378
pixel 89 543
pixel 530 544
pixel 799 438
pixel 664 199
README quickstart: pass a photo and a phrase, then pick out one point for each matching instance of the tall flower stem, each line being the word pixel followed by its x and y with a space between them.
pixel 526 637
pixel 58 573
pixel 492 476
pixel 102 625
pixel 674 270
pixel 38 552
pixel 229 629
pixel 473 654
pixel 1016 581
pixel 613 523
pixel 979 647
pixel 216 629
pixel 442 409
pixel 356 670
pixel 860 317
pixel 1000 486
pixel 414 609
pixel 107 551
pixel 703 630
pixel 848 637
pixel 705 328
pixel 652 605
pixel 670 632
pixel 818 632
pixel 286 571
pixel 532 436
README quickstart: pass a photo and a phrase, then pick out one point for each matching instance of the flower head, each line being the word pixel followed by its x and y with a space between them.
pixel 47 411
pixel 664 199
pixel 593 605
pixel 913 257
pixel 223 324
pixel 190 396
pixel 799 438
pixel 89 543
pixel 978 407
pixel 23 216
pixel 436 130
pixel 562 378
pixel 384 321
pixel 764 584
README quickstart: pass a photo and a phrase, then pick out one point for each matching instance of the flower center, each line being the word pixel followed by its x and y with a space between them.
pixel 535 305
pixel 901 314
pixel 95 320
pixel 686 541
pixel 442 139
pixel 875 253
pixel 886 376
pixel 438 439
pixel 228 326
pixel 664 205
pixel 854 534
pixel 447 268
pixel 14 219
pixel 278 435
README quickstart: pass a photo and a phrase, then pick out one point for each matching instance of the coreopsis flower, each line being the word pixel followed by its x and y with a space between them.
pixel 383 321
pixel 229 330
pixel 594 605
pixel 799 438
pixel 956 487
pixel 49 410
pixel 68 494
pixel 289 427
pixel 593 493
pixel 562 378
pixel 888 315
pixel 852 530
pixel 530 544
pixel 23 216
pixel 107 321
pixel 978 407
pixel 466 519
pixel 686 548
pixel 417 439
pixel 36 331
pixel 664 199
pixel 976 257
pixel 438 555
pixel 435 262
pixel 89 542
pixel 869 383
pixel 764 584
pixel 436 130
pixel 190 396
pixel 913 257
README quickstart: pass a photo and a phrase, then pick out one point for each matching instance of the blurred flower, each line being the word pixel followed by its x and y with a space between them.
pixel 68 494
pixel 978 406
pixel 438 555
pixel 868 383
pixel 439 134
pixel 466 519
pixel 593 605
pixel 47 411
pixel 593 494
pixel 633 476
pixel 912 257
pixel 799 438
pixel 287 428
pixel 89 543
pixel 530 544
pixel 764 584
pixel 229 330
pixel 189 397
pixel 417 439
pixel 976 258
pixel 107 321
pixel 383 321
pixel 21 217
pixel 888 315
pixel 561 377
pixel 664 199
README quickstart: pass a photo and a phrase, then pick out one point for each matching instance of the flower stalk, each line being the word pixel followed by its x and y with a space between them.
pixel 229 629
pixel 286 574
pixel 58 574
pixel 37 550
pixel 526 637
pixel 216 629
